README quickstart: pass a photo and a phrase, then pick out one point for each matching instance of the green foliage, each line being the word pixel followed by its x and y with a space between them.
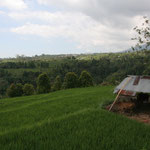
pixel 28 89
pixel 57 84
pixel 3 86
pixel 110 67
pixel 19 89
pixel 115 78
pixel 143 34
pixel 43 84
pixel 68 120
pixel 85 79
pixel 11 91
pixel 70 81
pixel 15 90
pixel 147 70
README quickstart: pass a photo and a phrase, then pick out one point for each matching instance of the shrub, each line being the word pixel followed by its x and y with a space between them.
pixel 11 91
pixel 28 89
pixel 19 89
pixel 71 80
pixel 43 84
pixel 57 84
pixel 3 86
pixel 85 79
pixel 115 78
pixel 15 90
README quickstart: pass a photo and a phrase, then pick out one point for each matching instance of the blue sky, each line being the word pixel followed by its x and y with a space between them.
pixel 34 27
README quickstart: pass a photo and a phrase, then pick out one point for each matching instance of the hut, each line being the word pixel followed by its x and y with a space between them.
pixel 134 88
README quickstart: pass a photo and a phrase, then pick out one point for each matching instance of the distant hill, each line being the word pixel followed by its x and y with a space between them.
pixel 143 47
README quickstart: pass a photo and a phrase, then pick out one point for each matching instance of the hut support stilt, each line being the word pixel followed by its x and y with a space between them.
pixel 119 94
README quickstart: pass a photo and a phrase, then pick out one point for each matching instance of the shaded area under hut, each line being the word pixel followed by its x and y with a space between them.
pixel 133 98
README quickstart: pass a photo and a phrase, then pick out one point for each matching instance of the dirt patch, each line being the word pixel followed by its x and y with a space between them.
pixel 141 117
pixel 130 110
pixel 122 107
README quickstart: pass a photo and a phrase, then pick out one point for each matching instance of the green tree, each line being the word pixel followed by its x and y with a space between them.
pixel 143 35
pixel 3 86
pixel 115 78
pixel 43 83
pixel 85 79
pixel 19 89
pixel 15 90
pixel 71 80
pixel 28 89
pixel 11 91
pixel 57 84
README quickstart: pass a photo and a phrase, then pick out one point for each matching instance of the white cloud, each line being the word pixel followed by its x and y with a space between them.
pixel 84 30
pixel 13 4
pixel 125 7
pixel 90 23
pixel 110 12
pixel 2 13
pixel 45 16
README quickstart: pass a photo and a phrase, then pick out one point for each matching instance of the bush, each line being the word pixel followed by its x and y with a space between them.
pixel 28 89
pixel 57 84
pixel 11 91
pixel 85 79
pixel 43 84
pixel 115 78
pixel 19 89
pixel 71 80
pixel 15 90
pixel 3 86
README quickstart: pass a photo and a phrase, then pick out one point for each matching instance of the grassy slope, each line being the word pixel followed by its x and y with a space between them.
pixel 68 120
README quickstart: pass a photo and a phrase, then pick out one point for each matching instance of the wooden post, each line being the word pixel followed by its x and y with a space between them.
pixel 119 93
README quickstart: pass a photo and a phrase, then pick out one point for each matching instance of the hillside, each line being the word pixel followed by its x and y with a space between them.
pixel 67 120
pixel 110 68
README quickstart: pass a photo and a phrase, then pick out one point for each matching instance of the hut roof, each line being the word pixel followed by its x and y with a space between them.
pixel 136 84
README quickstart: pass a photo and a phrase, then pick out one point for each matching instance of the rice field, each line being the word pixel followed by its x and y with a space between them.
pixel 68 120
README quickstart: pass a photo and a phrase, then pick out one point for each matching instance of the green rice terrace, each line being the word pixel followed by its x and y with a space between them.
pixel 69 120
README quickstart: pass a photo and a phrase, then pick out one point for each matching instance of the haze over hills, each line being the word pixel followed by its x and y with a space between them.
pixel 136 48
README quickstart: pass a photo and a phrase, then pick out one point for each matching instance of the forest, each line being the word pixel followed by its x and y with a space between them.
pixel 109 68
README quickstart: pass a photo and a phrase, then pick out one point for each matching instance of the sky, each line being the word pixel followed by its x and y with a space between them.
pixel 35 27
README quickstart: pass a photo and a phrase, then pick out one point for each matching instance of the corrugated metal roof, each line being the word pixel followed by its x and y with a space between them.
pixel 136 84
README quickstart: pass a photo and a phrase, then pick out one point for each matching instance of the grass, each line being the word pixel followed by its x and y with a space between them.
pixel 68 120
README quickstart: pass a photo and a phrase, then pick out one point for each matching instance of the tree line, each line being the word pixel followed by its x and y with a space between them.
pixel 104 68
pixel 71 80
